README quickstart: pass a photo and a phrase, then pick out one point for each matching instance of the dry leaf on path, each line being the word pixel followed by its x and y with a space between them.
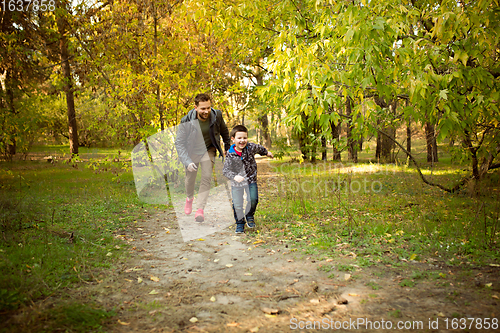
pixel 270 311
pixel 229 265
pixel 153 292
pixel 139 280
pixel 155 279
pixel 233 324
pixel 193 319
pixel 212 299
pixel 270 315
pixel 123 323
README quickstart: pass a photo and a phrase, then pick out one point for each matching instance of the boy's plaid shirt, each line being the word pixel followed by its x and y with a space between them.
pixel 244 166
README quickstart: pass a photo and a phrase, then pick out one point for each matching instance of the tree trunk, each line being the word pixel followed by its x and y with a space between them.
pixel 68 86
pixel 430 138
pixel 263 121
pixel 264 125
pixel 11 144
pixel 323 149
pixel 159 104
pixel 351 143
pixel 335 137
pixel 408 136
pixel 385 145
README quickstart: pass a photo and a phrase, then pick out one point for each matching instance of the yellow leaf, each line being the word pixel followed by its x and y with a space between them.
pixel 212 299
pixel 248 274
pixel 153 292
pixel 233 324
pixel 413 256
pixel 488 285
pixel 269 315
pixel 122 323
pixel 193 319
pixel 201 239
pixel 139 280
pixel 229 265
pixel 155 279
pixel 258 241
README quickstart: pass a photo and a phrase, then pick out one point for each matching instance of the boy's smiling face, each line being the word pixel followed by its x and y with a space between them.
pixel 240 140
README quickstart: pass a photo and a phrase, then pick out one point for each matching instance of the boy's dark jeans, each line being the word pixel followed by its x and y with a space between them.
pixel 252 201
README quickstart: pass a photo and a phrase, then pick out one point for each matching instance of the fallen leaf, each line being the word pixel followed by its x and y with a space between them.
pixel 193 319
pixel 495 297
pixel 353 295
pixel 216 260
pixel 139 280
pixel 248 274
pixel 109 254
pixel 153 312
pixel 254 330
pixel 290 260
pixel 153 292
pixel 488 285
pixel 413 256
pixel 314 301
pixel 212 299
pixel 122 322
pixel 347 277
pixel 270 311
pixel 229 265
pixel 128 280
pixel 329 260
pixel 201 239
pixel 258 241
pixel 269 315
pixel 233 324
pixel 440 314
pixel 494 265
pixel 155 279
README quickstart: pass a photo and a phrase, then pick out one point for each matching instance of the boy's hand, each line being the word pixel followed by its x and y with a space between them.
pixel 239 178
pixel 269 154
pixel 192 167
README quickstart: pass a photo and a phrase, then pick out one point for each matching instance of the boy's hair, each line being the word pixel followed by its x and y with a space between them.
pixel 201 98
pixel 238 128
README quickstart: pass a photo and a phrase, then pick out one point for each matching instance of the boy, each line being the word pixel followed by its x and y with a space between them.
pixel 240 167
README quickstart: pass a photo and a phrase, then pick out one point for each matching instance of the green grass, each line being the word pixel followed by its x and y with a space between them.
pixel 382 213
pixel 58 223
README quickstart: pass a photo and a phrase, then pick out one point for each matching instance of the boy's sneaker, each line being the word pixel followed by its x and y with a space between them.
pixel 250 223
pixel 240 228
pixel 188 208
pixel 199 215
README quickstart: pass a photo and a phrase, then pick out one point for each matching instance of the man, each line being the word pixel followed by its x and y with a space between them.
pixel 197 143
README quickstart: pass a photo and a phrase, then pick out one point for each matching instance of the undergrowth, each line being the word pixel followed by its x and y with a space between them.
pixel 58 222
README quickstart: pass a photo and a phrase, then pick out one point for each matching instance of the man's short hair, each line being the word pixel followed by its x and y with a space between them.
pixel 201 98
pixel 238 128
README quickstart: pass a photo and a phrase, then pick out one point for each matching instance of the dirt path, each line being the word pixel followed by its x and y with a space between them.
pixel 228 283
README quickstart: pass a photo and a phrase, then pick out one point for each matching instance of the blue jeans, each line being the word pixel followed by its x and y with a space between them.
pixel 252 201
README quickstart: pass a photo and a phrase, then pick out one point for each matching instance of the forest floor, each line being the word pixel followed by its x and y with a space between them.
pixel 225 282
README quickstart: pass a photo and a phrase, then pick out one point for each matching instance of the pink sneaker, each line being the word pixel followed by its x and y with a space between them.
pixel 188 208
pixel 199 215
